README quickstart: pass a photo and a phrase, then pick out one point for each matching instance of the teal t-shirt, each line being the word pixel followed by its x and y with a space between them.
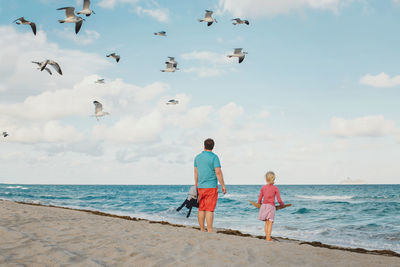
pixel 206 162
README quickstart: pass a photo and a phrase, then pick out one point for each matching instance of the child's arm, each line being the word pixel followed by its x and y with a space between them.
pixel 261 196
pixel 278 196
pixel 196 177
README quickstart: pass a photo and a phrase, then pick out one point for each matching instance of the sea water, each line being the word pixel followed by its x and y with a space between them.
pixel 365 216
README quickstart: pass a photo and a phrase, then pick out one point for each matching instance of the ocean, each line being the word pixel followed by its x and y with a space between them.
pixel 364 216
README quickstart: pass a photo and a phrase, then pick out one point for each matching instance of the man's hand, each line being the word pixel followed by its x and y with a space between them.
pixel 223 188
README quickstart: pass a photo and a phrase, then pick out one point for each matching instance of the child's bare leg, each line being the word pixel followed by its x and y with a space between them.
pixel 269 230
pixel 209 219
pixel 201 215
pixel 266 229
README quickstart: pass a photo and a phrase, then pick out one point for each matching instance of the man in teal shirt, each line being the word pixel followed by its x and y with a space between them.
pixel 207 173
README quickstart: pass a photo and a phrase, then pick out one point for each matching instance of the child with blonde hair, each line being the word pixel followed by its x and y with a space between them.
pixel 267 209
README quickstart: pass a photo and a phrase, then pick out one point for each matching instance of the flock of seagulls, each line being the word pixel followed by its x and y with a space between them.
pixel 71 17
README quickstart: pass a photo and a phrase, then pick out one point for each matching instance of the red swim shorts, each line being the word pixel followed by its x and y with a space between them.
pixel 208 198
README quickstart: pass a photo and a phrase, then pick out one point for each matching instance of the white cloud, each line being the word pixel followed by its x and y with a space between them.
pixel 369 126
pixel 19 49
pixel 84 38
pixel 113 3
pixel 131 129
pixel 259 8
pixel 229 113
pixel 380 80
pixel 208 64
pixel 208 56
pixel 61 103
pixel 205 71
pixel 49 132
pixel 194 118
pixel 160 14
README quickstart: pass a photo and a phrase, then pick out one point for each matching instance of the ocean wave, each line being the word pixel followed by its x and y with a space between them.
pixel 233 196
pixel 322 197
pixel 17 187
pixel 302 211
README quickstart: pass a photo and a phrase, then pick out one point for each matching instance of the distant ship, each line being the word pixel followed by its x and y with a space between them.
pixel 348 180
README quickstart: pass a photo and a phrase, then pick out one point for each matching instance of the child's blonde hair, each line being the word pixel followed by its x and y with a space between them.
pixel 270 177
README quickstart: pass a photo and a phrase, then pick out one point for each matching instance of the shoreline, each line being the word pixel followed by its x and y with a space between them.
pixel 388 253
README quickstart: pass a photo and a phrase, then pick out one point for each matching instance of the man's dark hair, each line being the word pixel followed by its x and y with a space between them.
pixel 209 144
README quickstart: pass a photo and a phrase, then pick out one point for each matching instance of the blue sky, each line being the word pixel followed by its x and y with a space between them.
pixel 315 100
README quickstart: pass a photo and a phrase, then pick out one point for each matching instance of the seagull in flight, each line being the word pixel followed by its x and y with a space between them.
pixel 239 54
pixel 170 67
pixel 113 55
pixel 98 110
pixel 86 10
pixel 172 102
pixel 207 18
pixel 43 66
pixel 71 18
pixel 100 81
pixel 5 134
pixel 239 21
pixel 23 21
pixel 172 61
pixel 162 33
pixel 40 66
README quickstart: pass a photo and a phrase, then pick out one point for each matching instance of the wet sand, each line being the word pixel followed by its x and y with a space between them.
pixel 35 235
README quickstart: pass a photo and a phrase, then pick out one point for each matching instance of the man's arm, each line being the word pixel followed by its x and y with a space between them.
pixel 220 177
pixel 196 177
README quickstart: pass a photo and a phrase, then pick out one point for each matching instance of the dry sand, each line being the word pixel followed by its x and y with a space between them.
pixel 47 236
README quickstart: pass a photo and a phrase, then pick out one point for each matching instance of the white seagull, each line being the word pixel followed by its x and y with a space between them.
pixel 98 110
pixel 100 81
pixel 239 54
pixel 162 33
pixel 42 66
pixel 71 18
pixel 23 21
pixel 172 61
pixel 170 67
pixel 172 102
pixel 5 134
pixel 86 10
pixel 113 55
pixel 208 18
pixel 239 21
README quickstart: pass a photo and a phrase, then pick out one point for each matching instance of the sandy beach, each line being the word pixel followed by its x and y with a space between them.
pixel 34 235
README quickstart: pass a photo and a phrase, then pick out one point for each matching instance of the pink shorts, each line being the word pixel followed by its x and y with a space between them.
pixel 267 212
pixel 208 198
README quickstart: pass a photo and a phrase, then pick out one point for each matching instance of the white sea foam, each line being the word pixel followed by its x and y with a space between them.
pixel 322 197
pixel 17 187
pixel 233 196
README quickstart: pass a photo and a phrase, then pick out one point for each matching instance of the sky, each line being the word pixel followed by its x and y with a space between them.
pixel 315 100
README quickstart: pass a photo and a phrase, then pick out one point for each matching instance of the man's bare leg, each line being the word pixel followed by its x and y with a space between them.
pixel 210 219
pixel 201 215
